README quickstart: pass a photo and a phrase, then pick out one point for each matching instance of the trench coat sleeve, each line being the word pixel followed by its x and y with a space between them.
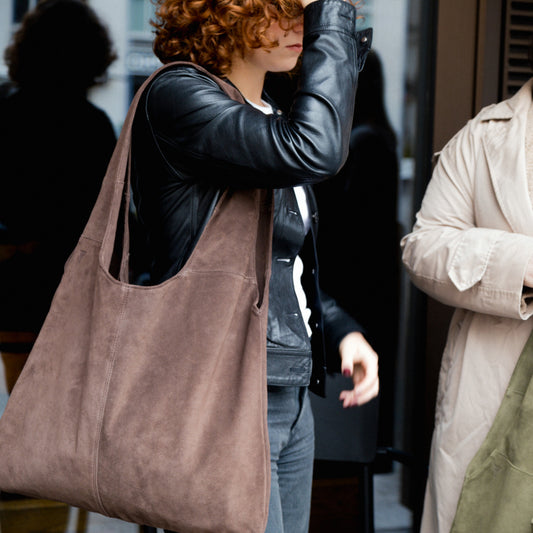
pixel 451 259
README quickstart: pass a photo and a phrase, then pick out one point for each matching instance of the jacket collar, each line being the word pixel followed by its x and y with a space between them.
pixel 503 138
pixel 508 108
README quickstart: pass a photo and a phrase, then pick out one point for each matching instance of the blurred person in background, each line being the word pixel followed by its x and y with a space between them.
pixel 358 235
pixel 54 150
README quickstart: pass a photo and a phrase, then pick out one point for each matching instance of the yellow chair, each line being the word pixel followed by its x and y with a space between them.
pixel 29 515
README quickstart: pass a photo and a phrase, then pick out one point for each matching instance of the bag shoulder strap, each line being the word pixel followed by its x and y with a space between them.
pixel 102 224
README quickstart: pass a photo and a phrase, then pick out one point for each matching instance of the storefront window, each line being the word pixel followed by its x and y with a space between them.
pixel 20 7
pixel 141 12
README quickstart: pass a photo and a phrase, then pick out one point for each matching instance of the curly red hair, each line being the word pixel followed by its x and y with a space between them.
pixel 210 32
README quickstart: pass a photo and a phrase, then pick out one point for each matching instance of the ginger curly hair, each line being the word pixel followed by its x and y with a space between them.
pixel 209 32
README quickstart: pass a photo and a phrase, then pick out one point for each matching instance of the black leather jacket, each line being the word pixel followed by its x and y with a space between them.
pixel 190 141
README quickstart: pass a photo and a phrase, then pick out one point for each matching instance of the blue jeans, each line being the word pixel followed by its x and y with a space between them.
pixel 292 449
pixel 292 443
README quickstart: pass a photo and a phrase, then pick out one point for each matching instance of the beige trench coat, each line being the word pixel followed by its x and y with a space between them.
pixel 469 249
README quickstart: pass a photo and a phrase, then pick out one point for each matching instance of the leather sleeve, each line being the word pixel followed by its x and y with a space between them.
pixel 337 324
pixel 203 134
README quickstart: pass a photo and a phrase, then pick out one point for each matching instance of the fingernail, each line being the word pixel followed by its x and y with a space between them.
pixel 346 373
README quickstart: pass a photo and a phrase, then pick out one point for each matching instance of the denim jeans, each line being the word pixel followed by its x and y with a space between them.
pixel 291 433
pixel 292 447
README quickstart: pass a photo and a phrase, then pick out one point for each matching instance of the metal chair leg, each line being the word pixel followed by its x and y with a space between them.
pixel 368 498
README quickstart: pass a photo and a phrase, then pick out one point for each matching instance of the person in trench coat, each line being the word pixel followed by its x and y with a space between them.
pixel 471 248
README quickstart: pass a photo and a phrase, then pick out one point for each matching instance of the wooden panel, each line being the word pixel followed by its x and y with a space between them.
pixel 455 67
pixel 489 45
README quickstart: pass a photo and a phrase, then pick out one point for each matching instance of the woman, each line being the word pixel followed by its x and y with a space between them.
pixel 191 141
pixel 471 248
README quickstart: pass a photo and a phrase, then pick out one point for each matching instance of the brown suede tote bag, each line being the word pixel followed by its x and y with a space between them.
pixel 148 404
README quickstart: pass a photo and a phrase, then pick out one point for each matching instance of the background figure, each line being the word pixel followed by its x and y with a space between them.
pixel 54 148
pixel 358 233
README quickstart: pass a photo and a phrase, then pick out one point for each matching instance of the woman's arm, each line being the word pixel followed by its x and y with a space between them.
pixel 452 259
pixel 349 352
pixel 202 131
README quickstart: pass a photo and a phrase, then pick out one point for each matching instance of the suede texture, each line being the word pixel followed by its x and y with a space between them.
pixel 149 404
pixel 497 492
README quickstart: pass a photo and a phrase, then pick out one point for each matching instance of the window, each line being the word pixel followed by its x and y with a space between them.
pixel 141 12
pixel 20 7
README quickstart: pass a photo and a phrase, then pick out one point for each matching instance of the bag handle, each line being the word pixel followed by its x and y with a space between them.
pixel 263 244
pixel 115 190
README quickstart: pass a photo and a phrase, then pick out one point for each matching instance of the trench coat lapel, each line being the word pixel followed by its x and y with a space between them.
pixel 504 145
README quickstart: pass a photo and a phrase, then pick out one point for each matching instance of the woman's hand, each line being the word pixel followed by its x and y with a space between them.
pixel 360 362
